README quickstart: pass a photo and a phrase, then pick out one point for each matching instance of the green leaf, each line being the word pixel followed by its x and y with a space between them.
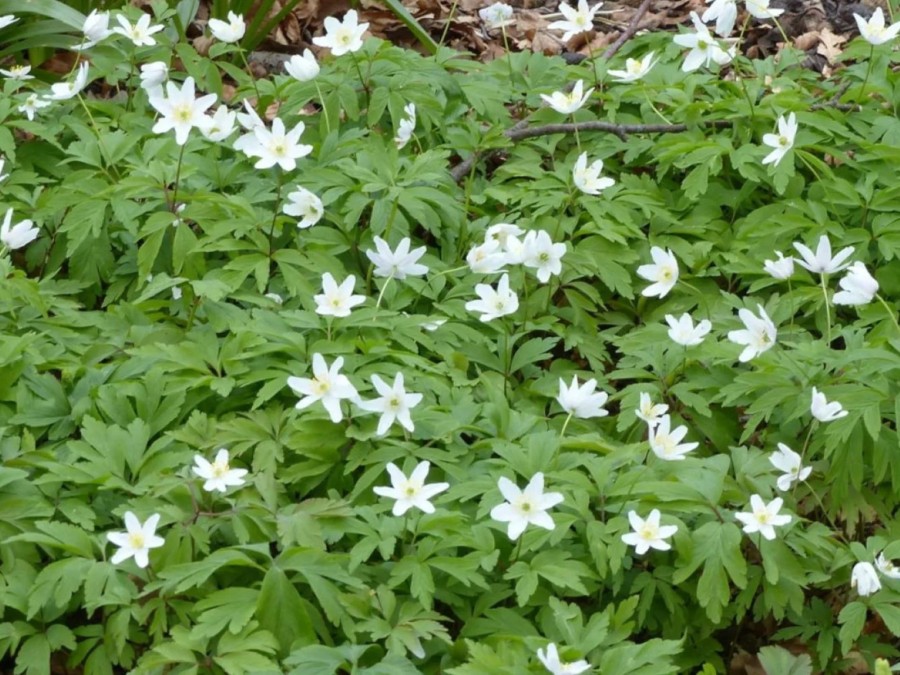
pixel 281 610
pixel 779 661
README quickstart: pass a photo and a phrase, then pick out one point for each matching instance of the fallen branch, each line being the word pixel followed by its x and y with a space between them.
pixel 630 30
pixel 835 101
pixel 520 132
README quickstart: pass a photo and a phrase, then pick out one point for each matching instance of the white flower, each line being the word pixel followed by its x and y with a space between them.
pixel 724 13
pixel 864 579
pixel 494 303
pixel 824 411
pixel 580 400
pixel 95 29
pixel 553 664
pixel 760 9
pixel 62 91
pixel 406 127
pixel 634 69
pixel 7 20
pixel 587 178
pixel 303 204
pixel 337 300
pixel 648 533
pixel 789 462
pixel 19 235
pixel 250 121
pixel 540 253
pixel 568 103
pixel 177 292
pixel 649 412
pixel 502 233
pixel 303 68
pixel 873 30
pixel 704 47
pixel 498 15
pixel 663 272
pixel 683 332
pixel 763 518
pixel 276 146
pixel 758 336
pixel 821 261
pixel 31 105
pixel 782 268
pixel 220 126
pixel 410 492
pixel 137 541
pixel 328 385
pixel 17 73
pixel 3 176
pixel 525 507
pixel 887 567
pixel 859 286
pixel 218 475
pixel 393 404
pixel 487 257
pixel 577 21
pixel 153 75
pixel 342 37
pixel 228 31
pixel 666 442
pixel 397 264
pixel 180 110
pixel 782 141
pixel 274 297
pixel 140 33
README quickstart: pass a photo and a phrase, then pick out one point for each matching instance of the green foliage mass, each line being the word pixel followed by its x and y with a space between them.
pixel 133 338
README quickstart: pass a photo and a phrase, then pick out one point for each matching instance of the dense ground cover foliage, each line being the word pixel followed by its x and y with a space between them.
pixel 371 370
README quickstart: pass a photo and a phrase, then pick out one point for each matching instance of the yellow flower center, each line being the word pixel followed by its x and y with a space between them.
pixel 136 539
pixel 183 113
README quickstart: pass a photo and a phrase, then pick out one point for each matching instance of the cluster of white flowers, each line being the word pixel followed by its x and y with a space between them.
pixel 271 143
pixel 858 286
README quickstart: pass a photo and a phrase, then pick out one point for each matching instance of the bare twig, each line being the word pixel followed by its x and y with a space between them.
pixel 630 30
pixel 835 101
pixel 520 132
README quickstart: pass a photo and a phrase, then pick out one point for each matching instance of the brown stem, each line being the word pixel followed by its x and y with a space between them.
pixel 630 30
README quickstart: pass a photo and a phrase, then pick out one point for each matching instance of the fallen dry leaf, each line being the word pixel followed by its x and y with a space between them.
pixel 829 44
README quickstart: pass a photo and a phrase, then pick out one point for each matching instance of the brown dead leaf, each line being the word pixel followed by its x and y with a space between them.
pixel 807 41
pixel 202 43
pixel 829 45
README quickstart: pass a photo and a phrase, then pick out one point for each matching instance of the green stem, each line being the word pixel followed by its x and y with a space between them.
pixel 381 295
pixel 450 16
pixel 868 73
pixel 362 80
pixel 508 54
pixel 577 139
pixel 791 303
pixel 822 279
pixel 103 151
pixel 174 205
pixel 324 108
pixel 275 212
pixel 889 311
pixel 653 107
pixel 559 442
pixel 130 77
pixel 831 522
pixel 249 72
